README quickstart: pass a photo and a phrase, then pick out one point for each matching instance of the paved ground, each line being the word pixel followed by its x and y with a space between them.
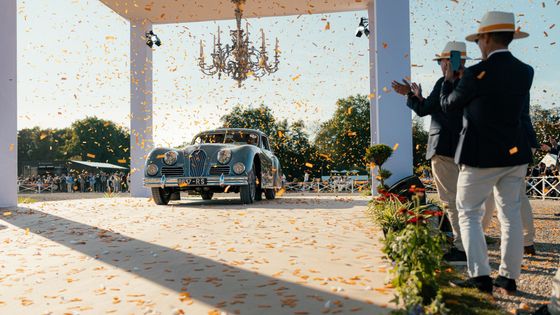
pixel 294 255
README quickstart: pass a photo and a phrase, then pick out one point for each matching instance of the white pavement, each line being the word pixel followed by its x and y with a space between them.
pixel 294 255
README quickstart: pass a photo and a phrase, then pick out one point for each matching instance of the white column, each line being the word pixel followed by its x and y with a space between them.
pixel 141 141
pixel 8 103
pixel 389 49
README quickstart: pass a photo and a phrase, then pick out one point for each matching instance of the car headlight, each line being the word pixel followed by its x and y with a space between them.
pixel 224 156
pixel 152 169
pixel 170 158
pixel 239 168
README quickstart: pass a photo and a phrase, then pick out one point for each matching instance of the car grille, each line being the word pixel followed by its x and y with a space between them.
pixel 172 171
pixel 219 170
pixel 198 159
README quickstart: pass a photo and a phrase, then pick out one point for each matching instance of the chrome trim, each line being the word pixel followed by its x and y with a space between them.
pixel 212 181
pixel 197 163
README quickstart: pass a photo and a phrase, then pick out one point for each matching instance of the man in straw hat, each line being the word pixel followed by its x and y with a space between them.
pixel 442 141
pixel 494 149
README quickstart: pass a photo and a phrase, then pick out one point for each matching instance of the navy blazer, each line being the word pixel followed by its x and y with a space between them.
pixel 497 129
pixel 444 127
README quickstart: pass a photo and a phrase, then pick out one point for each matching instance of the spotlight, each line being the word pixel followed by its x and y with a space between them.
pixel 363 28
pixel 152 39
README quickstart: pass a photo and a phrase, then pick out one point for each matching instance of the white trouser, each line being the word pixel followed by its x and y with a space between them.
pixel 473 188
pixel 526 216
pixel 445 173
pixel 554 306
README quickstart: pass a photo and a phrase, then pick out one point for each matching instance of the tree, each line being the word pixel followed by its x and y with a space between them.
pixel 546 123
pixel 342 140
pixel 98 140
pixel 290 143
pixel 35 144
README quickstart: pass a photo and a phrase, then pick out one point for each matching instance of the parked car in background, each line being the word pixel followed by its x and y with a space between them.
pixel 230 160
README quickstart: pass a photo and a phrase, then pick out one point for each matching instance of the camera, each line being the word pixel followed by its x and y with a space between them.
pixel 363 28
pixel 152 39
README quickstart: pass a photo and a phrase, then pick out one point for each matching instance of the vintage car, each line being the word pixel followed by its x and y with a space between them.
pixel 223 160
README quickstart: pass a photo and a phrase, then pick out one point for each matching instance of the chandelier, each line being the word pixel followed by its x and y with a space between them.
pixel 241 59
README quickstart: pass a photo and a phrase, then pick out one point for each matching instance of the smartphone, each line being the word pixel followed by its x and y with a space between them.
pixel 455 60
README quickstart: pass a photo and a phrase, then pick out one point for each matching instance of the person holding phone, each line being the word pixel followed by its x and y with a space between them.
pixel 494 149
pixel 443 138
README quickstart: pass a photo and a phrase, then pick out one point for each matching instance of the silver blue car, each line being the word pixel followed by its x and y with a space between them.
pixel 230 160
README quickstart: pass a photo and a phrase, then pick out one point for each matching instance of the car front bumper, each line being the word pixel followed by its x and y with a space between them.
pixel 211 181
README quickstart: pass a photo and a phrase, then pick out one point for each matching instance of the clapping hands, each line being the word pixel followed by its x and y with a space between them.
pixel 406 87
pixel 401 88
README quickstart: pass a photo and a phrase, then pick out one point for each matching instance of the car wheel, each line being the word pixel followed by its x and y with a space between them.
pixel 247 192
pixel 161 196
pixel 207 195
pixel 270 194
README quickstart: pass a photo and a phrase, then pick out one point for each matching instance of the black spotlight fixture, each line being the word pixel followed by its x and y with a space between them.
pixel 363 28
pixel 152 39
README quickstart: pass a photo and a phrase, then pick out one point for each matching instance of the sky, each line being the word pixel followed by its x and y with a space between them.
pixel 74 62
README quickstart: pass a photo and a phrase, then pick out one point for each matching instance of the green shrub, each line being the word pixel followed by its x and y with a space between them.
pixel 378 154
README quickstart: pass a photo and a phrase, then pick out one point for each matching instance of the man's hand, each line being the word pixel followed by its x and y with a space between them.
pixel 545 148
pixel 448 71
pixel 402 89
pixel 417 90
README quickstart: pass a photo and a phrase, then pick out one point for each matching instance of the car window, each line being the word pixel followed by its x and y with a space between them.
pixel 235 137
pixel 266 145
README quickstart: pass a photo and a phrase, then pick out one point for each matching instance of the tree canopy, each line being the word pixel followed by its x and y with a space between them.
pixel 90 139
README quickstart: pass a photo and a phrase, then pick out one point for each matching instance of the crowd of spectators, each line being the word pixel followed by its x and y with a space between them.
pixel 76 182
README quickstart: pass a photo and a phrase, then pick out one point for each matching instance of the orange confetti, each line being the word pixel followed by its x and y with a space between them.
pixel 513 150
pixel 7 213
pixel 122 161
pixel 90 155
pixel 481 75
pixel 395 147
pixel 296 77
pixel 43 135
pixel 309 165
pixel 328 26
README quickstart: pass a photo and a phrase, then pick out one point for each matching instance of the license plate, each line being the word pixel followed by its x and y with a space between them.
pixel 196 181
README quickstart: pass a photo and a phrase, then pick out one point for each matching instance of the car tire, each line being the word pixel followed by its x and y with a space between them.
pixel 247 192
pixel 270 194
pixel 258 190
pixel 161 196
pixel 207 195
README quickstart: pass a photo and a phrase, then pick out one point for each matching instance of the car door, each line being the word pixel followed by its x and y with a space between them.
pixel 267 163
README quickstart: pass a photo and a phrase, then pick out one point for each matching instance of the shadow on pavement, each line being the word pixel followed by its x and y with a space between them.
pixel 209 281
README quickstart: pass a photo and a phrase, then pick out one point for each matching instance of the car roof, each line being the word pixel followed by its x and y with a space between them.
pixel 233 129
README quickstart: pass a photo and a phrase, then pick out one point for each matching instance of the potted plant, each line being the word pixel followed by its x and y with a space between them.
pixel 377 155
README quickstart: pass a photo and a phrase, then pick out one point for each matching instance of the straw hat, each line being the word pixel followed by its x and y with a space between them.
pixel 496 21
pixel 451 46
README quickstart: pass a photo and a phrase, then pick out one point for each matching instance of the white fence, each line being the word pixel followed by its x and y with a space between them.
pixel 349 186
pixel 545 187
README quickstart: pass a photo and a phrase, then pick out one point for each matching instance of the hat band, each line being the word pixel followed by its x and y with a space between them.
pixel 494 27
pixel 448 54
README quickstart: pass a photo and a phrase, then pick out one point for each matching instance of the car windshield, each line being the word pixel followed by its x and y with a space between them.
pixel 234 137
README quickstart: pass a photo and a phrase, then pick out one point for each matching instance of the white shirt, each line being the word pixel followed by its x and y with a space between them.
pixel 497 51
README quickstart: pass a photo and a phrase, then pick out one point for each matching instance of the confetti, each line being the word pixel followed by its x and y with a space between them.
pixel 481 75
